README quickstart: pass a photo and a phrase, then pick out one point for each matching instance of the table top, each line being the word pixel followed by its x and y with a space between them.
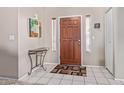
pixel 39 49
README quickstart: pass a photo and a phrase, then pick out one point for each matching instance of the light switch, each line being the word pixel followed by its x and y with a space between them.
pixel 11 37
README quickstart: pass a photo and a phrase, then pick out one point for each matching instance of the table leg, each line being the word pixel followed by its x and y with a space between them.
pixel 36 60
pixel 29 73
pixel 42 64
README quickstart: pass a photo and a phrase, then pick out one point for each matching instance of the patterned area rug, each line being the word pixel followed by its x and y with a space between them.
pixel 70 70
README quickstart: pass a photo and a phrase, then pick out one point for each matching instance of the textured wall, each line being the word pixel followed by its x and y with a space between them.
pixel 8 49
pixel 24 41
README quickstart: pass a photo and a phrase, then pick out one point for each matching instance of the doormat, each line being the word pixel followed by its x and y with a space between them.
pixel 70 70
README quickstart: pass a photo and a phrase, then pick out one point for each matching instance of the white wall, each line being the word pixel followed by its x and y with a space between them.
pixel 26 43
pixel 8 49
pixel 96 57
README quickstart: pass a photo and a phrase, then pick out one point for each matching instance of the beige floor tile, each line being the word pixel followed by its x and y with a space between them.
pixel 90 79
pixel 58 76
pixel 66 82
pixel 54 82
pixel 114 82
pixel 99 75
pixel 90 83
pixel 43 81
pixel 33 79
pixel 78 79
pixel 68 77
pixel 78 82
pixel 48 75
pixel 109 76
pixel 102 81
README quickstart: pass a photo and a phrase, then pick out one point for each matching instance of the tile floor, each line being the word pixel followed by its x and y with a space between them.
pixel 95 76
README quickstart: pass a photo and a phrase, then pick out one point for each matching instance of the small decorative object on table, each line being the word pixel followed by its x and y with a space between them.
pixel 41 52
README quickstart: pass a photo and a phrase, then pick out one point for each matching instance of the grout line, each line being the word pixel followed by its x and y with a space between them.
pixel 105 77
pixel 67 79
pixel 84 81
pixel 42 76
pixel 52 75
pixel 49 80
pixel 61 80
pixel 72 79
pixel 94 76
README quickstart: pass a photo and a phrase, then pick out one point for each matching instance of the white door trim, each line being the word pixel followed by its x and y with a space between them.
pixel 113 68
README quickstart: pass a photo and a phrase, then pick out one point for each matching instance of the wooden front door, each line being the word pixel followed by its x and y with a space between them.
pixel 70 40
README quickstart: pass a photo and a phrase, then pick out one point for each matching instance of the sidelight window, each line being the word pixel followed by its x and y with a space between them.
pixel 54 29
pixel 88 33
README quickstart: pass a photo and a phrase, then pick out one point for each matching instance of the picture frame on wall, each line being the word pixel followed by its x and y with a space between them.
pixel 34 28
pixel 97 25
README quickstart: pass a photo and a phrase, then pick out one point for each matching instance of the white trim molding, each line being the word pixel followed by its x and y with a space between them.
pixel 93 66
pixel 119 79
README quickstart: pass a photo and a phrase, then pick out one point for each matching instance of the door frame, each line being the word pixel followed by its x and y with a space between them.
pixel 113 34
pixel 58 34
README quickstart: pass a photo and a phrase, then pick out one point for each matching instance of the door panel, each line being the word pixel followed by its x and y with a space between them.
pixel 77 55
pixel 70 40
pixel 67 52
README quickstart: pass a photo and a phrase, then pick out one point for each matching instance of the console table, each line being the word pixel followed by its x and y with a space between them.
pixel 41 52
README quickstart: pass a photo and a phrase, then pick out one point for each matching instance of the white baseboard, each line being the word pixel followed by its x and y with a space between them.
pixel 119 79
pixel 4 77
pixel 92 66
pixel 51 63
pixel 22 77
